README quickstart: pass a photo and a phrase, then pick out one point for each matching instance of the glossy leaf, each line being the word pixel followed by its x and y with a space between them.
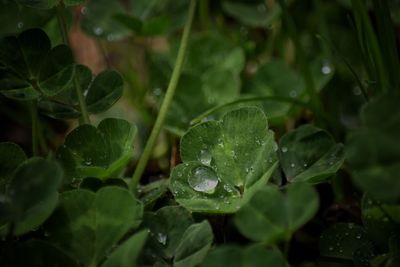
pixel 100 93
pixel 194 245
pixel 235 256
pixel 224 162
pixel 342 241
pixel 29 67
pixel 271 216
pixel 87 225
pixel 48 4
pixel 309 154
pixel 127 253
pixel 11 156
pixel 31 195
pixel 98 152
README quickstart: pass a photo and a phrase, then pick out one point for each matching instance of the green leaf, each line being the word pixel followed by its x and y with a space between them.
pixel 194 245
pixel 98 20
pixel 342 240
pixel 262 219
pixel 38 253
pixel 254 14
pixel 381 220
pixel 235 256
pixel 48 4
pixel 224 162
pixel 100 93
pixel 167 227
pixel 276 78
pixel 127 253
pixel 29 67
pixel 309 154
pixel 11 156
pixel 15 18
pixel 87 225
pixel 98 152
pixel 31 195
pixel 375 172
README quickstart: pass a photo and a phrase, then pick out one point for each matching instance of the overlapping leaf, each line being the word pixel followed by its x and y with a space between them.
pixel 100 93
pixel 87 225
pixel 309 154
pixel 224 162
pixel 30 68
pixel 11 156
pixel 31 195
pixel 271 216
pixel 98 152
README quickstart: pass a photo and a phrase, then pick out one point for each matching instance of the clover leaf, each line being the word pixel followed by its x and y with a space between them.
pixel 377 141
pixel 31 195
pixel 98 152
pixel 127 253
pixel 100 93
pixel 309 154
pixel 87 225
pixel 234 256
pixel 224 162
pixel 271 216
pixel 11 156
pixel 30 68
pixel 175 238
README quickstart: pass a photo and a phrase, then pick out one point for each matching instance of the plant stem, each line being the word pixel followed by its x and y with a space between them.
pixel 286 247
pixel 64 33
pixel 305 67
pixel 251 99
pixel 35 128
pixel 167 100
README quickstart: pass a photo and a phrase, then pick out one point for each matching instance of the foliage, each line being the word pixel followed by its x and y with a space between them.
pixel 274 140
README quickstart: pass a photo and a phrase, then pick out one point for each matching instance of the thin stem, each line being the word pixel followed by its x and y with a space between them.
pixel 251 99
pixel 64 33
pixel 305 67
pixel 35 128
pixel 167 100
pixel 204 7
pixel 286 247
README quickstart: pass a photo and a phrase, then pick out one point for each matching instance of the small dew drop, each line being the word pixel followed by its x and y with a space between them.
pixel 326 68
pixel 305 164
pixel 161 238
pixel 330 248
pixel 98 30
pixel 84 10
pixel 20 25
pixel 293 94
pixel 203 179
pixel 292 165
pixel 205 157
pixel 284 149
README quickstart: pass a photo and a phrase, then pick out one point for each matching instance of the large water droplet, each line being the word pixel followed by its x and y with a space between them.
pixel 326 68
pixel 203 179
pixel 205 157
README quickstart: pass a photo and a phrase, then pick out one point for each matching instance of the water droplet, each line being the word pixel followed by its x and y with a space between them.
pixel 20 25
pixel 84 10
pixel 305 164
pixel 88 162
pixel 161 238
pixel 284 149
pixel 356 91
pixel 205 157
pixel 98 31
pixel 292 165
pixel 275 145
pixel 293 94
pixel 330 248
pixel 203 179
pixel 326 68
pixel 358 236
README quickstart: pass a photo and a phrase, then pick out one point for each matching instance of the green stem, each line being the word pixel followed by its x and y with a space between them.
pixel 305 67
pixel 167 100
pixel 251 99
pixel 35 128
pixel 286 247
pixel 64 33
